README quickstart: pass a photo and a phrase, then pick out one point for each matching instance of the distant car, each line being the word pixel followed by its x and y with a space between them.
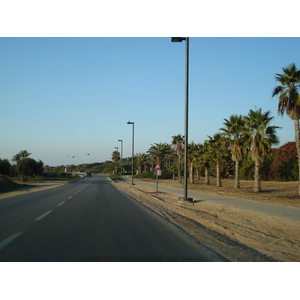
pixel 88 174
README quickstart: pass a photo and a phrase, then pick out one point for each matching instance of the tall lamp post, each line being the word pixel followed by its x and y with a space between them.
pixel 121 154
pixel 186 130
pixel 132 149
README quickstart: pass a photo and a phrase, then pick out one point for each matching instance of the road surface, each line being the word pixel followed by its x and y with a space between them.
pixel 88 220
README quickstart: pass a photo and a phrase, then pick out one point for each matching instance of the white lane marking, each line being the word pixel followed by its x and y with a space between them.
pixel 75 194
pixel 44 215
pixel 70 197
pixel 10 239
pixel 61 203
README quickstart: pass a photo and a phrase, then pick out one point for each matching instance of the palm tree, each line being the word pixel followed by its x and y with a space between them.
pixel 192 158
pixel 289 100
pixel 205 158
pixel 159 150
pixel 140 161
pixel 177 145
pixel 217 143
pixel 259 138
pixel 234 131
pixel 20 155
pixel 115 156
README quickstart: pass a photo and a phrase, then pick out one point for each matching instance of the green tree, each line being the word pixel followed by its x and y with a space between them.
pixel 217 145
pixel 289 100
pixel 26 167
pixel 4 166
pixel 234 131
pixel 177 144
pixel 259 138
pixel 141 159
pixel 115 156
pixel 193 151
pixel 159 150
pixel 205 158
pixel 20 155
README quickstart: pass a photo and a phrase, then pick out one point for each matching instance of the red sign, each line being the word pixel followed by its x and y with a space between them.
pixel 157 170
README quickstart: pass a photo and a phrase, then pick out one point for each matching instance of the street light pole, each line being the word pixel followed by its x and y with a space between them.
pixel 132 149
pixel 121 154
pixel 186 114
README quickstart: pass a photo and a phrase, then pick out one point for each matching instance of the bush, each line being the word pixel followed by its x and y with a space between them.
pixel 4 166
pixel 115 177
pixel 285 163
pixel 166 174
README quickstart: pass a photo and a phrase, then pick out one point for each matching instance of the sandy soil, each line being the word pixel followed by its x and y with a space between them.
pixel 236 234
pixel 31 187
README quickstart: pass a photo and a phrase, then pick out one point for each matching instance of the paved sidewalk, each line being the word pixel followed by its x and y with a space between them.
pixel 271 209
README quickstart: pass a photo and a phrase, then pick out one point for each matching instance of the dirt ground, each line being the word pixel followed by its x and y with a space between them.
pixel 30 188
pixel 236 234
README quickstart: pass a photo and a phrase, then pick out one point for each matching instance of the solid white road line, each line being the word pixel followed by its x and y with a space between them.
pixel 10 239
pixel 61 203
pixel 44 215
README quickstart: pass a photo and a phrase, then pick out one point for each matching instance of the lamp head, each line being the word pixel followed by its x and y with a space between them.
pixel 177 39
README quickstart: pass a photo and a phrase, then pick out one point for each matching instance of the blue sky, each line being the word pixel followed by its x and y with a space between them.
pixel 61 97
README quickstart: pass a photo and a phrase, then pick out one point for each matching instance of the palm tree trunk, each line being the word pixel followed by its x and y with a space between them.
pixel 257 187
pixel 297 138
pixel 219 184
pixel 191 173
pixel 206 176
pixel 179 169
pixel 237 175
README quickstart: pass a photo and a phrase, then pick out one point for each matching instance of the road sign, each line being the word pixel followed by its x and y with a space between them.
pixel 157 170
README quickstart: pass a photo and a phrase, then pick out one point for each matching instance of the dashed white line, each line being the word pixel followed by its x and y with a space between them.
pixel 44 215
pixel 10 239
pixel 70 197
pixel 61 203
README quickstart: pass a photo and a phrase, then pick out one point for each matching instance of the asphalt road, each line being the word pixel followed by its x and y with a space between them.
pixel 88 220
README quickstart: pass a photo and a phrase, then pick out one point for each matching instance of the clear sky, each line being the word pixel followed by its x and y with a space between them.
pixel 61 97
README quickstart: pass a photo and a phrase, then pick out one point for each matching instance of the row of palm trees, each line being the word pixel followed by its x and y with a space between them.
pixel 240 137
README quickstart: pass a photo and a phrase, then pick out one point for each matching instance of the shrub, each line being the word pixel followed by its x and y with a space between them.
pixel 285 163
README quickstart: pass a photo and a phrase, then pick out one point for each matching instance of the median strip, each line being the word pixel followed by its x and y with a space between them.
pixel 44 215
pixel 10 239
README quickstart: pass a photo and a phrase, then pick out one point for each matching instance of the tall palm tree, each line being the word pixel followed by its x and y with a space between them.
pixel 234 130
pixel 259 138
pixel 289 100
pixel 177 145
pixel 217 143
pixel 159 150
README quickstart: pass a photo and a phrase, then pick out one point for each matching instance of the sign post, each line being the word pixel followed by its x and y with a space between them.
pixel 157 172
